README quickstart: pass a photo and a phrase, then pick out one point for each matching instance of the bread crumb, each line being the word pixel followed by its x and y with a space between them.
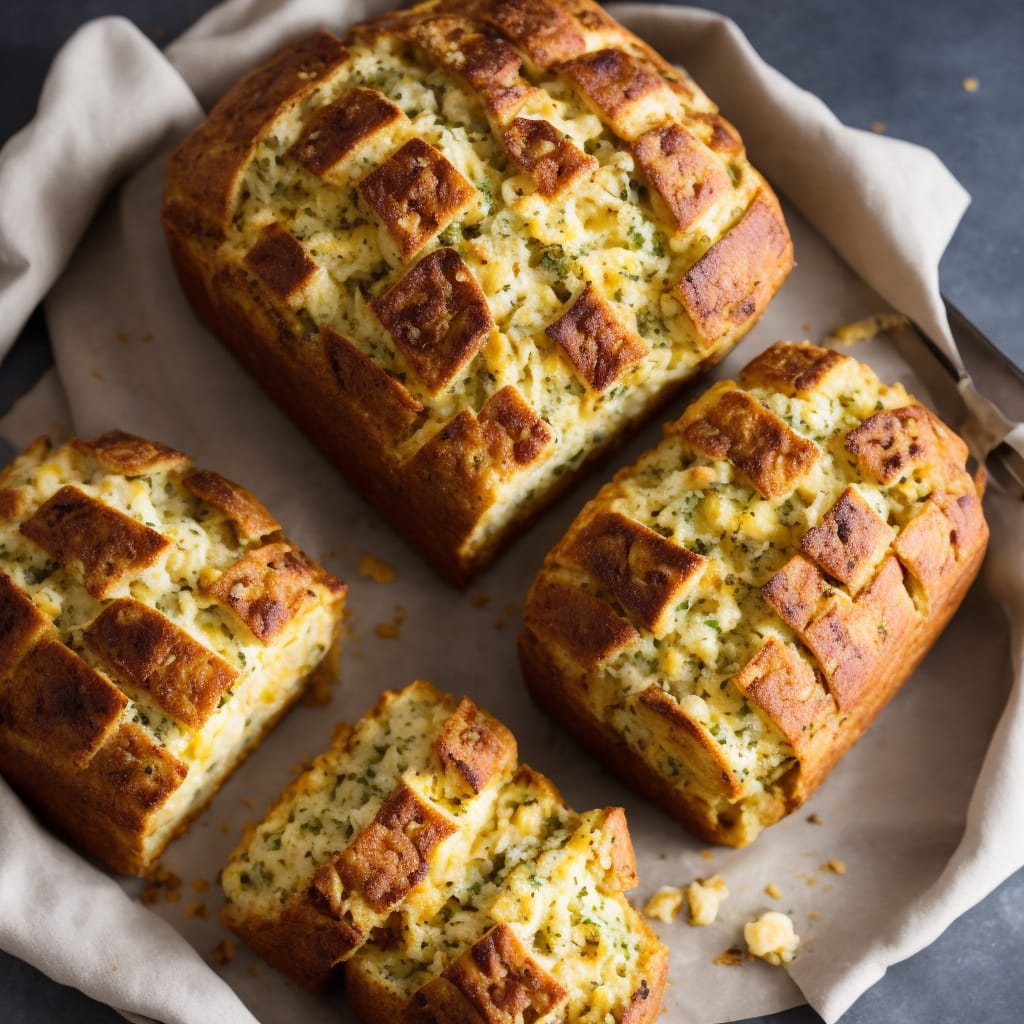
pixel 254 970
pixel 970 84
pixel 878 127
pixel 731 957
pixel 386 630
pixel 200 885
pixel 705 896
pixel 664 904
pixel 708 854
pixel 814 819
pixel 772 937
pixel 480 600
pixel 162 882
pixel 224 952
pixel 373 568
pixel 814 916
pixel 837 867
pixel 773 890
pixel 512 609
pixel 197 909
pixel 867 328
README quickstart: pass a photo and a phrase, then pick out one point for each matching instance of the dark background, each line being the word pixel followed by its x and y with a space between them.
pixel 887 63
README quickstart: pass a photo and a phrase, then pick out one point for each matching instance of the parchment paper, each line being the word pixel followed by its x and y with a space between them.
pixel 916 813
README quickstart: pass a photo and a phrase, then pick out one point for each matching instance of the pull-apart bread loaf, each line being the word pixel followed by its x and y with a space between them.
pixel 154 624
pixel 470 245
pixel 726 617
pixel 446 882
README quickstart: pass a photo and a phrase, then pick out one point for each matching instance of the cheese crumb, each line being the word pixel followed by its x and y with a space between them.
pixel 837 867
pixel 705 896
pixel 773 890
pixel 866 329
pixel 970 84
pixel 664 904
pixel 772 938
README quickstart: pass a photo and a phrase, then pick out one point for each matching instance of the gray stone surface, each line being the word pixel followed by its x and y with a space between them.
pixel 900 64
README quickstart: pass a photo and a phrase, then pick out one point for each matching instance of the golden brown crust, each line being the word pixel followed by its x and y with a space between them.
pixel 497 978
pixel 795 592
pixel 339 128
pixel 543 30
pixel 516 435
pixel 729 424
pixel 268 587
pixel 489 65
pixel 14 502
pixel 645 572
pixel 645 1003
pixel 417 193
pixel 537 148
pixel 734 280
pixel 682 172
pixel 784 686
pixel 600 348
pixel 119 452
pixel 475 744
pixel 382 405
pixel 623 855
pixel 850 540
pixel 145 652
pixel 206 171
pixel 103 546
pixel 626 91
pixel 54 700
pixel 21 623
pixel 247 513
pixel 392 854
pixel 894 442
pixel 280 262
pixel 131 776
pixel 437 317
pixel 792 369
pixel 575 619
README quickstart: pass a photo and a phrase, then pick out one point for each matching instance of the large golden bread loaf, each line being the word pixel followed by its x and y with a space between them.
pixel 154 624
pixel 468 246
pixel 726 617
pixel 445 881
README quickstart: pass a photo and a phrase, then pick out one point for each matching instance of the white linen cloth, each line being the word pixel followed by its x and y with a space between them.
pixel 923 812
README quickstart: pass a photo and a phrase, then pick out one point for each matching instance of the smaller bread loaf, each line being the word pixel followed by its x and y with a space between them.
pixel 154 624
pixel 723 621
pixel 452 884
pixel 468 246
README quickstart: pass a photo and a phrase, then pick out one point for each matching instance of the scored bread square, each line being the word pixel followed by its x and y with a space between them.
pixel 136 671
pixel 416 858
pixel 460 198
pixel 725 618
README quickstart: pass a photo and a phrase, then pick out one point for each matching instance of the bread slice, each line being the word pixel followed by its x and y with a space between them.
pixel 154 624
pixel 726 617
pixel 449 882
pixel 470 245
